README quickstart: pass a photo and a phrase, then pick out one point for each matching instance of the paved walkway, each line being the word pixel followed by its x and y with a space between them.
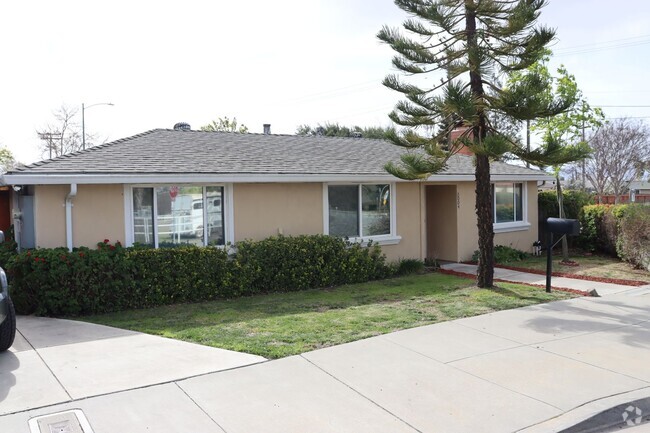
pixel 533 369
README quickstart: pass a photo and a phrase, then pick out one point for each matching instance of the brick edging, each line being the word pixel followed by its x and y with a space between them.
pixel 498 280
pixel 622 282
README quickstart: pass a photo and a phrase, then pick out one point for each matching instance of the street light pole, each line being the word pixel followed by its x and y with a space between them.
pixel 83 120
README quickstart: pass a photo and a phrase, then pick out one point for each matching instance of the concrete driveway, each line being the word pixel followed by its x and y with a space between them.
pixel 55 361
pixel 534 369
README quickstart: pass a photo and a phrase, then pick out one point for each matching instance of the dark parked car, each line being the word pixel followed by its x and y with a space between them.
pixel 7 312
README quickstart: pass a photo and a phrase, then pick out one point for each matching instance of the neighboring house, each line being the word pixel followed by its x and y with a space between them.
pixel 640 187
pixel 639 191
pixel 165 187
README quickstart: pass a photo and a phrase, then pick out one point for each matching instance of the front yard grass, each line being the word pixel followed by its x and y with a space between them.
pixel 589 265
pixel 283 324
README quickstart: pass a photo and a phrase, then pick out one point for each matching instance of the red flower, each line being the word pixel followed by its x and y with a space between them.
pixel 112 247
pixel 29 253
pixel 106 241
pixel 81 254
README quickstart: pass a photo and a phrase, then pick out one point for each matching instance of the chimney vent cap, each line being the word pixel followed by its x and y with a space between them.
pixel 182 126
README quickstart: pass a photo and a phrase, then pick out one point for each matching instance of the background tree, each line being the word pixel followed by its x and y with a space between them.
pixel 563 131
pixel 63 136
pixel 7 160
pixel 471 44
pixel 224 124
pixel 625 148
pixel 335 130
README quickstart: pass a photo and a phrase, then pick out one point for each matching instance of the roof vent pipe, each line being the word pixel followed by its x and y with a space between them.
pixel 267 129
pixel 182 126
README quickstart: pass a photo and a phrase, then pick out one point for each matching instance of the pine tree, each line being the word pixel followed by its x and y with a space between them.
pixel 469 45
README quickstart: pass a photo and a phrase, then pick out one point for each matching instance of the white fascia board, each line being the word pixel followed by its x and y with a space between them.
pixel 60 179
pixel 493 177
pixel 57 179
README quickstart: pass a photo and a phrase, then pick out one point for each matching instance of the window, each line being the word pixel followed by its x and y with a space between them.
pixel 357 211
pixel 173 215
pixel 508 202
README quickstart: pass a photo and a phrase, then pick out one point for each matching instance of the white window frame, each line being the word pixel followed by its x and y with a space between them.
pixel 512 226
pixel 390 239
pixel 226 200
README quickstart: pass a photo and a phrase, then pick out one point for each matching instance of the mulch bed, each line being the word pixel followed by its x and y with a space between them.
pixel 577 277
pixel 622 282
pixel 561 289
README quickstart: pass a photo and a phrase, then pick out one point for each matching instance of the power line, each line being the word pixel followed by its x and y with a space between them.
pixel 604 42
pixel 602 46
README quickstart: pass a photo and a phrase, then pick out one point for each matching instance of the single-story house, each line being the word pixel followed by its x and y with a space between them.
pixel 164 187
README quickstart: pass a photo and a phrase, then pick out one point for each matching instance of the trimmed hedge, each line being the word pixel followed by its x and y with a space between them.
pixel 622 230
pixel 633 243
pixel 56 282
pixel 573 201
pixel 599 226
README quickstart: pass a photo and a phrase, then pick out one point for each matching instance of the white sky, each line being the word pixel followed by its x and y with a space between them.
pixel 284 62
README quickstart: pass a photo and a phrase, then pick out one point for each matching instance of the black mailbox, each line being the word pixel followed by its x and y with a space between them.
pixel 563 226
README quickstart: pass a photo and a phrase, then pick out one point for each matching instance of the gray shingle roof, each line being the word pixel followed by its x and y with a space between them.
pixel 164 151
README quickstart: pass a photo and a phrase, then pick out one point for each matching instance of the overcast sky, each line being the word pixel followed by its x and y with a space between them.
pixel 284 62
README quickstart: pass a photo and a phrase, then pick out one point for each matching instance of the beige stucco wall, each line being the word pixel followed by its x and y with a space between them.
pixel 468 233
pixel 263 210
pixel 410 223
pixel 97 214
pixel 467 230
pixel 441 214
pixel 268 209
pixel 49 215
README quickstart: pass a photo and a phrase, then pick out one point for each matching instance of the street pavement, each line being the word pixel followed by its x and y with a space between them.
pixel 535 369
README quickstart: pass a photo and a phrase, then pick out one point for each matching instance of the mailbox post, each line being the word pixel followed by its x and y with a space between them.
pixel 560 226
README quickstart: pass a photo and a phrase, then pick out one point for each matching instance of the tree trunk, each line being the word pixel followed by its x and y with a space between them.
pixel 560 205
pixel 484 207
pixel 485 218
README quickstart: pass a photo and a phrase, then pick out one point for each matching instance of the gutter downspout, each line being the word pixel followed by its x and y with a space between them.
pixel 68 215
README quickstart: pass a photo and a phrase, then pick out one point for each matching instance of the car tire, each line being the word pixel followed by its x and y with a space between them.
pixel 8 327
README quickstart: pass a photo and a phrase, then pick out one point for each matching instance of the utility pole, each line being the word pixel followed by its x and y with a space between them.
pixel 582 163
pixel 49 138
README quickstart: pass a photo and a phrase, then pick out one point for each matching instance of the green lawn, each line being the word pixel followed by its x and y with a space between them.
pixel 589 265
pixel 284 324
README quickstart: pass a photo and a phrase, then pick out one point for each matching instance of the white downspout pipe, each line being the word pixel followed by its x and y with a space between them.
pixel 68 215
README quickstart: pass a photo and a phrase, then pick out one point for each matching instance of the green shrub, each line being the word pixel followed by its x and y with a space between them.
pixel 591 227
pixel 633 242
pixel 8 248
pixel 409 266
pixel 57 282
pixel 504 254
pixel 286 263
pixel 574 201
pixel 599 226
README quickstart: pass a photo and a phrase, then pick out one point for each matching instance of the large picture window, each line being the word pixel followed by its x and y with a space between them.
pixel 508 202
pixel 359 210
pixel 172 215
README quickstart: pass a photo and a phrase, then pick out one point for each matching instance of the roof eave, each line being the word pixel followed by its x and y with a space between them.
pixel 158 178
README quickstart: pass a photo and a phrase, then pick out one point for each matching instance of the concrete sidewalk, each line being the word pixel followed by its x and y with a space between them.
pixel 54 361
pixel 500 372
pixel 603 289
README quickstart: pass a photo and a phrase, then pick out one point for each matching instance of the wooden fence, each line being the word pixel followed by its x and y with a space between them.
pixel 611 199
